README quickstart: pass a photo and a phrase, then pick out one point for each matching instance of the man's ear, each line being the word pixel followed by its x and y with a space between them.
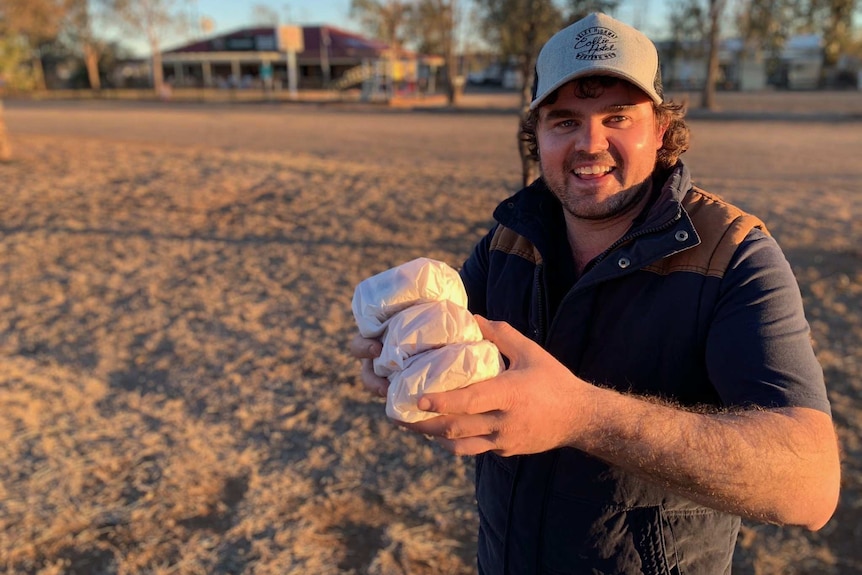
pixel 661 130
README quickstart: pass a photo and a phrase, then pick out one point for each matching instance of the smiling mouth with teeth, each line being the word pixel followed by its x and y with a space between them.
pixel 592 170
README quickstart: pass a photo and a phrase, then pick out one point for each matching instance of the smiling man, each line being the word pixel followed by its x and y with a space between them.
pixel 661 382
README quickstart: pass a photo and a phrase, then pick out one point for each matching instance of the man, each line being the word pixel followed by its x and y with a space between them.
pixel 661 381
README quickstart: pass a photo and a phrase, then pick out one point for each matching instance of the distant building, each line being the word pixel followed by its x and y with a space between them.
pixel 331 58
pixel 505 75
pixel 798 66
pixel 801 63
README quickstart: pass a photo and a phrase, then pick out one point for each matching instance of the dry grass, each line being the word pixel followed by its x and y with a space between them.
pixel 176 396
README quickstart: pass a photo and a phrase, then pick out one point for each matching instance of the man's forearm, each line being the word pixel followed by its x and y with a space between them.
pixel 778 466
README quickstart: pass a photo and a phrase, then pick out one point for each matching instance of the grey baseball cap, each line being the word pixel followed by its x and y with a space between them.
pixel 597 45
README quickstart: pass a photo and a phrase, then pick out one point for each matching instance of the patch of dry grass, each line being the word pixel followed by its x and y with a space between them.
pixel 176 396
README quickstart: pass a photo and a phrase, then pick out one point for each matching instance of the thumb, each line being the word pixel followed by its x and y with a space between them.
pixel 508 340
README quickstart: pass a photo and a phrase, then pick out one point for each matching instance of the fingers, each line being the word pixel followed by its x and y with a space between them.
pixel 366 350
pixel 483 397
pixel 468 446
pixel 487 326
pixel 361 347
pixel 371 381
pixel 461 435
pixel 508 340
pixel 454 427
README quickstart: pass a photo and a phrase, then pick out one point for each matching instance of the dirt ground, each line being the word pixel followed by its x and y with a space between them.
pixel 175 280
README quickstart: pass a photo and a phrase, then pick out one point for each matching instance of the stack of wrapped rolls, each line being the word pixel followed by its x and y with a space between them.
pixel 431 342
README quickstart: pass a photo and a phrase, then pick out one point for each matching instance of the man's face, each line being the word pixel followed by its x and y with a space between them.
pixel 597 154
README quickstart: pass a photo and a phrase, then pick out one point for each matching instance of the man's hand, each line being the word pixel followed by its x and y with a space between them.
pixel 535 405
pixel 366 350
pixel 776 465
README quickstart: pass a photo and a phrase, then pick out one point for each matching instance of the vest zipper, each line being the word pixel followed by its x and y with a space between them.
pixel 625 239
pixel 539 335
pixel 668 224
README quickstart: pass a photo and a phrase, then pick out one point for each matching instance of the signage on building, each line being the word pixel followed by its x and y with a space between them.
pixel 290 39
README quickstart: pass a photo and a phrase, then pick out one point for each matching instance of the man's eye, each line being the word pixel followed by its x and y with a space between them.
pixel 617 119
pixel 565 123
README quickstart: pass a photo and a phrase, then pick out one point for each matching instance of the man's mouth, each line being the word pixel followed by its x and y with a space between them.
pixel 592 171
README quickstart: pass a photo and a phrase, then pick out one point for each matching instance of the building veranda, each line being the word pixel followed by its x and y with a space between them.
pixel 328 58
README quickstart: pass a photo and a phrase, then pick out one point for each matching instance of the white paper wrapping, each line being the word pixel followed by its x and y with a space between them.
pixel 431 342
pixel 451 367
pixel 423 280
pixel 423 327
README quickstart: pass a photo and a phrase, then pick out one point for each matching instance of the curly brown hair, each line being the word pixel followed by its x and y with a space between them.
pixel 668 113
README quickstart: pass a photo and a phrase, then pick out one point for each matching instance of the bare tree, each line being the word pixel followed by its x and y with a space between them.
pixel 154 20
pixel 699 24
pixel 688 30
pixel 435 23
pixel 12 54
pixel 765 22
pixel 772 22
pixel 38 22
pixel 263 15
pixel 386 20
pixel 766 25
pixel 716 8
pixel 79 29
pixel 517 29
pixel 581 8
pixel 15 53
pixel 834 19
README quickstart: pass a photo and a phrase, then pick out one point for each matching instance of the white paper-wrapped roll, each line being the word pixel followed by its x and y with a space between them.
pixel 423 327
pixel 444 369
pixel 378 298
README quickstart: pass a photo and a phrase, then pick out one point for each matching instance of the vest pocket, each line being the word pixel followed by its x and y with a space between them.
pixel 494 481
pixel 702 540
pixel 583 537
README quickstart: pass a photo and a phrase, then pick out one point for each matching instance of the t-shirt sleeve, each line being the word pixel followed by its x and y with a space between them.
pixel 759 349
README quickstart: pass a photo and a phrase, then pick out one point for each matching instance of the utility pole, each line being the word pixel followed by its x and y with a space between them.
pixel 291 41
pixel 325 42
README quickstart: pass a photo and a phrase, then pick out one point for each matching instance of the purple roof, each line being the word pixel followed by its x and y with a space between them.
pixel 342 44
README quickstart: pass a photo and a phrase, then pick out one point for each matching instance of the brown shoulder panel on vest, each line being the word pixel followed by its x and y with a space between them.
pixel 721 227
pixel 507 241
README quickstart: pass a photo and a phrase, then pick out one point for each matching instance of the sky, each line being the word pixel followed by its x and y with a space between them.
pixel 228 15
pixel 232 14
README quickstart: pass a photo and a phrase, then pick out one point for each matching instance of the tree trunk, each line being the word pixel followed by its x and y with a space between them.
pixel 455 87
pixel 39 71
pixel 715 10
pixel 5 148
pixel 91 61
pixel 529 166
pixel 456 82
pixel 158 73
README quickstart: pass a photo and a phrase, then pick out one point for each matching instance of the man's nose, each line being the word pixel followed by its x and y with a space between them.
pixel 592 137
